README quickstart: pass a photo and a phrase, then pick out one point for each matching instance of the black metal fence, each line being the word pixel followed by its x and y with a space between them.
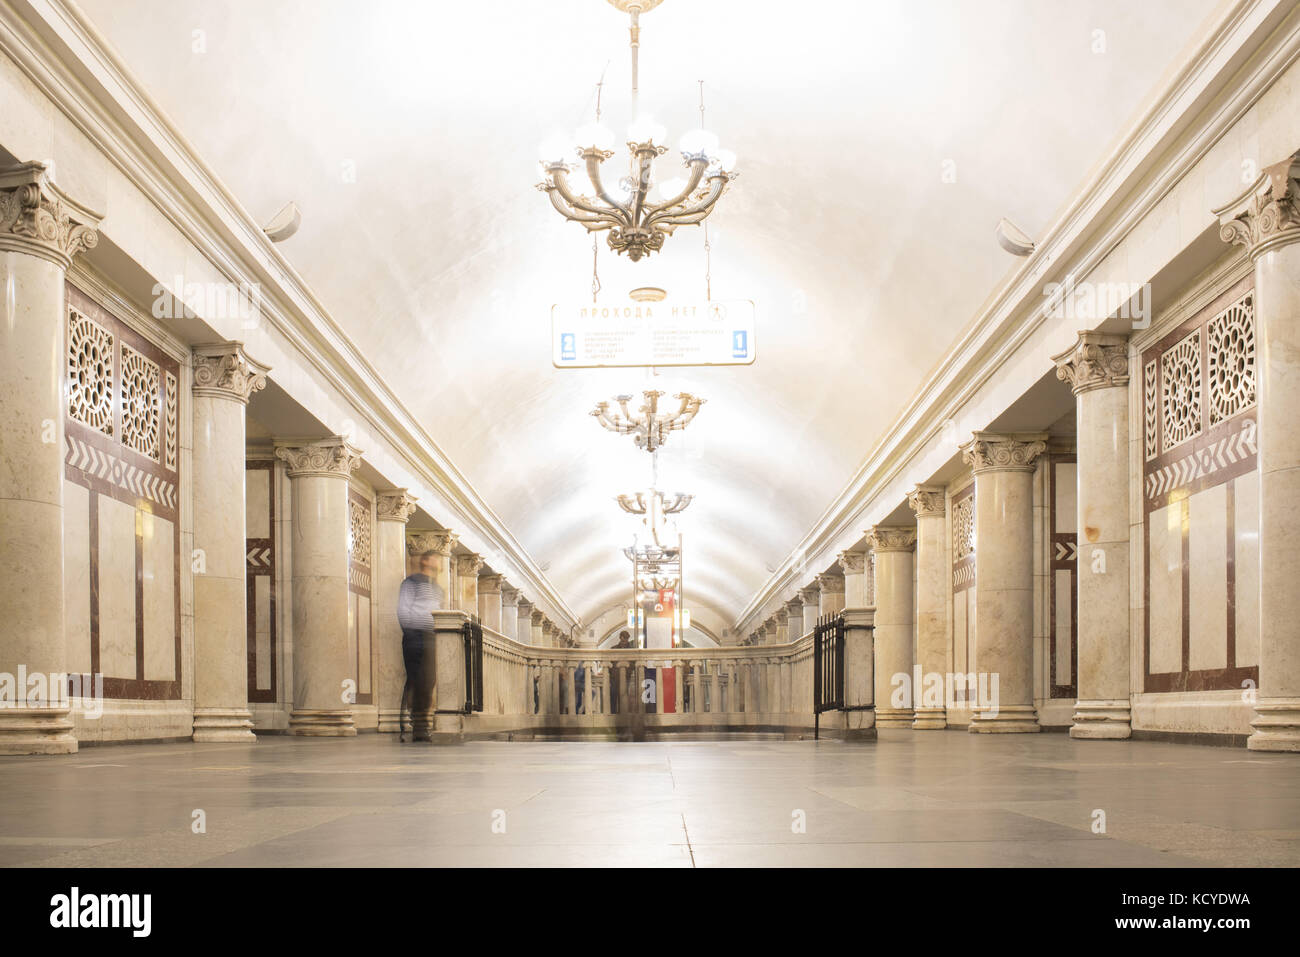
pixel 828 667
pixel 473 634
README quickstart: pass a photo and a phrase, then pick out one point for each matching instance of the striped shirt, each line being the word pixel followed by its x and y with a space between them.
pixel 416 602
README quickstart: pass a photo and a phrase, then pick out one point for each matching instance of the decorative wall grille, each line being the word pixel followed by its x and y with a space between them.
pixel 90 372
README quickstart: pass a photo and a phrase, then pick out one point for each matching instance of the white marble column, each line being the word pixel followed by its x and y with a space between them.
pixel 932 571
pixel 441 544
pixel 467 567
pixel 224 378
pixel 812 602
pixel 509 611
pixel 892 546
pixel 857 590
pixel 832 593
pixel 393 509
pixel 1004 579
pixel 524 621
pixel 322 661
pixel 535 618
pixel 1097 370
pixel 793 620
pixel 41 230
pixel 1266 220
pixel 489 601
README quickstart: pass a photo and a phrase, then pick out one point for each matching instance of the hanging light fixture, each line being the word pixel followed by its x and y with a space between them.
pixel 637 225
pixel 649 428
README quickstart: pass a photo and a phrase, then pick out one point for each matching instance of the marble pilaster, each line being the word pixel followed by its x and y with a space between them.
pixel 892 546
pixel 224 378
pixel 393 509
pixel 1097 369
pixel 41 230
pixel 1266 220
pixel 932 573
pixel 1004 464
pixel 322 663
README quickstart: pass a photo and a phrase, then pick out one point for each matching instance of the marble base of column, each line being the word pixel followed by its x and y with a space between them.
pixel 929 719
pixel 1276 726
pixel 894 717
pixel 1102 720
pixel 1011 719
pixel 36 731
pixel 322 724
pixel 222 725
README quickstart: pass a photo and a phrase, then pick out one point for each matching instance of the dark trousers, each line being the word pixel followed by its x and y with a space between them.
pixel 417 693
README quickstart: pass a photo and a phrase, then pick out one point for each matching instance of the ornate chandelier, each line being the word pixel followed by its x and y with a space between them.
pixel 650 427
pixel 655 506
pixel 638 212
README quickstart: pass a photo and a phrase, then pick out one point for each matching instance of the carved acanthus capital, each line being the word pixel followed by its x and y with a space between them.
pixel 794 608
pixel 1096 361
pixel 489 584
pixel 537 617
pixel 334 457
pixel 852 563
pixel 1003 452
pixel 468 565
pixel 223 370
pixel 509 595
pixel 37 218
pixel 1267 214
pixel 395 505
pixel 892 538
pixel 926 501
pixel 830 583
pixel 811 594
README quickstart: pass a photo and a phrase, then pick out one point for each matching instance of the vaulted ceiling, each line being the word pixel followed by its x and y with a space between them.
pixel 879 143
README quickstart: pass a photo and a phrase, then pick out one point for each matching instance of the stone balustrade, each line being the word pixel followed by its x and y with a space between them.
pixel 633 693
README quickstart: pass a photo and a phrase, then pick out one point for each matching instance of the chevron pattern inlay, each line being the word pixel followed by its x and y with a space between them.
pixel 101 465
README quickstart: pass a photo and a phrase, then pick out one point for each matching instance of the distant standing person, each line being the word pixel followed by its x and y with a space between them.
pixel 417 600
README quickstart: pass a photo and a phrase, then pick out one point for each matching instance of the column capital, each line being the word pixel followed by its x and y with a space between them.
pixel 830 583
pixel 810 593
pixel 1096 361
pixel 927 500
pixel 1266 215
pixel 510 595
pixel 417 543
pixel 395 505
pixel 491 583
pixel 853 563
pixel 525 606
pixel 892 538
pixel 468 564
pixel 223 370
pixel 334 457
pixel 1004 451
pixel 794 606
pixel 537 617
pixel 39 219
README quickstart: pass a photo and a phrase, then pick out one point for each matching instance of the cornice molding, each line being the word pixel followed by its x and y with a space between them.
pixel 1175 132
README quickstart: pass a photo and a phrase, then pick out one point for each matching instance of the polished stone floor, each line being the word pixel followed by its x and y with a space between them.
pixel 936 798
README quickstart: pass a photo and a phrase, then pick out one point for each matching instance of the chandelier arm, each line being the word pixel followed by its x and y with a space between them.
pixel 561 182
pixel 697 173
pixel 593 174
pixel 645 158
pixel 592 221
pixel 717 184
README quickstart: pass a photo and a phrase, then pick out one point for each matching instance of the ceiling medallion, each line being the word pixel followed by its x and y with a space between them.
pixel 639 212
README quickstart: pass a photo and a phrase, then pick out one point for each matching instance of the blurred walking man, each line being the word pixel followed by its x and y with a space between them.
pixel 416 602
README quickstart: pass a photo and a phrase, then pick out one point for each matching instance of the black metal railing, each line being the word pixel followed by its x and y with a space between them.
pixel 828 667
pixel 473 635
